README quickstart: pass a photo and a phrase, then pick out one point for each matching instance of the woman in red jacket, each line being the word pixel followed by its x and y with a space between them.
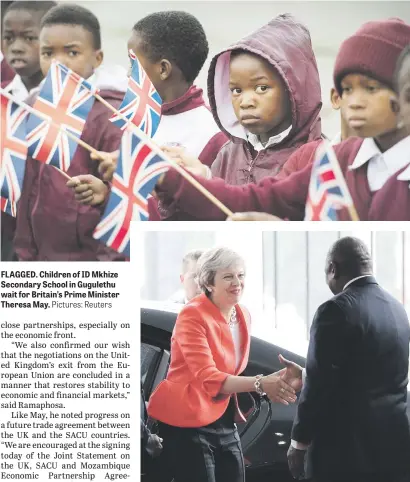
pixel 196 404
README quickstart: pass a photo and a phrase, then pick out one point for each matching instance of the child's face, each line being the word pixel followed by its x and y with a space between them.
pixel 404 93
pixel 259 96
pixel 72 45
pixel 20 44
pixel 366 106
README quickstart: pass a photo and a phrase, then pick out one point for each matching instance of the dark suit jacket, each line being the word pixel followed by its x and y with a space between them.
pixel 353 402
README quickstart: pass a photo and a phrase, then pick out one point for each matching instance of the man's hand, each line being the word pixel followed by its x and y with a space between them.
pixel 277 389
pixel 253 216
pixel 107 163
pixel 154 445
pixel 293 373
pixel 181 157
pixel 296 462
pixel 88 189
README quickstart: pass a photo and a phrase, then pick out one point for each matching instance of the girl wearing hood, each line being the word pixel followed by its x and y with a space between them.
pixel 370 162
pixel 264 93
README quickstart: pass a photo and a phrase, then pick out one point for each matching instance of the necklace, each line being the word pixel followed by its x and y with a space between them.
pixel 233 320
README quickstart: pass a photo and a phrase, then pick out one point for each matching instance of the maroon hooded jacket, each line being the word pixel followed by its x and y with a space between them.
pixel 51 224
pixel 284 43
pixel 287 198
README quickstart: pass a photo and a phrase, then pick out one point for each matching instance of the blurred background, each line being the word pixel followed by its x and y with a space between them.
pixel 285 280
pixel 225 22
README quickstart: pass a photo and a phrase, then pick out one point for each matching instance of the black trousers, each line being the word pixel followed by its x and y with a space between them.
pixel 207 454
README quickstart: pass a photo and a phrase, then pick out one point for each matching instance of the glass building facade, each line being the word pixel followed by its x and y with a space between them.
pixel 285 280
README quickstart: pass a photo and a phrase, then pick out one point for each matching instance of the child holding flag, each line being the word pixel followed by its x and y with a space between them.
pixel 51 225
pixel 295 163
pixel 20 31
pixel 264 92
pixel 265 97
pixel 363 75
pixel 172 48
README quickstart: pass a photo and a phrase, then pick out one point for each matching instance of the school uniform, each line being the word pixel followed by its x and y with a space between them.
pixel 16 88
pixel 286 45
pixel 363 166
pixel 395 205
pixel 187 122
pixel 372 51
pixel 297 163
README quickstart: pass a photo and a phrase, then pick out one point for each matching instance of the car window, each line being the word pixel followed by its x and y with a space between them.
pixel 150 356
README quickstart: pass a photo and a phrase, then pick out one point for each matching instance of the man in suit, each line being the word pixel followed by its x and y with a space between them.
pixel 352 408
pixel 187 277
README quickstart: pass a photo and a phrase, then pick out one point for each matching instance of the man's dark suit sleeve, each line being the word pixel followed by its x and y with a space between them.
pixel 326 354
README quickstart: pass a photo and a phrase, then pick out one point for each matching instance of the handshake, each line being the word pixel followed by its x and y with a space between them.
pixel 282 386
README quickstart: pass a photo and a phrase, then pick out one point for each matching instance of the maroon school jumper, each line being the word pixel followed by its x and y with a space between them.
pixel 394 204
pixel 284 198
pixel 285 44
pixel 51 224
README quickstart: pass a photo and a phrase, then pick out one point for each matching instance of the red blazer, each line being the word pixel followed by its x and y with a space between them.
pixel 202 357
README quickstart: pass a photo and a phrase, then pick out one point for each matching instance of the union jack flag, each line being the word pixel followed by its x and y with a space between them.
pixel 66 99
pixel 328 191
pixel 8 206
pixel 132 56
pixel 136 175
pixel 142 103
pixel 13 153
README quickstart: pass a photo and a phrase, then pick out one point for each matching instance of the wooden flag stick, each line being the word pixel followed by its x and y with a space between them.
pixel 63 173
pixel 185 174
pixel 41 116
pixel 353 213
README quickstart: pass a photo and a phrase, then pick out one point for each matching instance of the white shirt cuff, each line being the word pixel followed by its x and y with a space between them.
pixel 299 445
pixel 208 172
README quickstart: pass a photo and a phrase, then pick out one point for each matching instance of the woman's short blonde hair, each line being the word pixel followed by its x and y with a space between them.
pixel 213 260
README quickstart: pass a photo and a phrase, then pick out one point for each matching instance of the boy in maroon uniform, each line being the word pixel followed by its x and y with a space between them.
pixel 51 225
pixel 396 202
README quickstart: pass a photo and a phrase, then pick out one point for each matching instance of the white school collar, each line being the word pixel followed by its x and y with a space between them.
pixel 257 144
pixel 397 157
pixel 17 88
pixel 405 175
